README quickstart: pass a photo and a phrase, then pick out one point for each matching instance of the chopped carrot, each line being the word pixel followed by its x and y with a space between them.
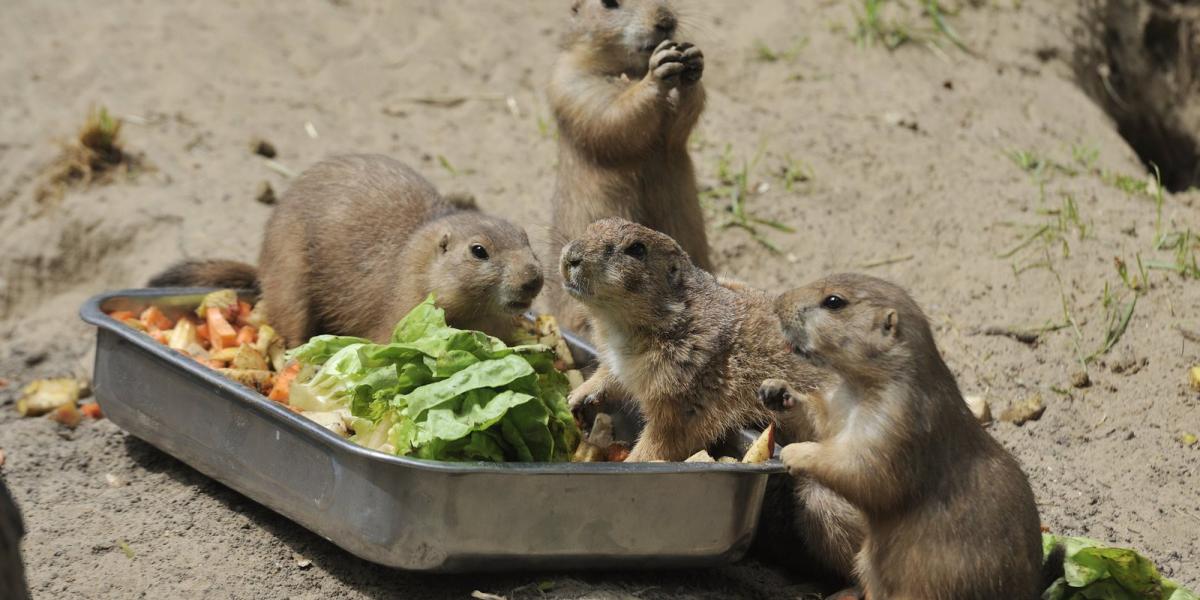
pixel 220 332
pixel 160 336
pixel 202 332
pixel 91 410
pixel 282 390
pixel 247 335
pixel 215 364
pixel 243 312
pixel 122 315
pixel 153 318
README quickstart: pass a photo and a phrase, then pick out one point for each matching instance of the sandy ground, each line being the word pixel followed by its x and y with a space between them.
pixel 911 179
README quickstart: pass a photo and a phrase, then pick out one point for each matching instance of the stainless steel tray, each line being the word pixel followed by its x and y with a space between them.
pixel 410 513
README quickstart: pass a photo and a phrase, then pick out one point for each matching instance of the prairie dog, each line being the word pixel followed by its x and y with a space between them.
pixel 357 241
pixel 12 569
pixel 896 439
pixel 625 97
pixel 692 351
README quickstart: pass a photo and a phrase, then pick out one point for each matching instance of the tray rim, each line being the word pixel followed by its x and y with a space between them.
pixel 90 312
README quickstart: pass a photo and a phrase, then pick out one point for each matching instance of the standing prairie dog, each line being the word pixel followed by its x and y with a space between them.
pixel 626 98
pixel 950 515
pixel 692 352
pixel 357 241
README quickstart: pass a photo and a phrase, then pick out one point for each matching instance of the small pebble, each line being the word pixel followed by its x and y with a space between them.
pixel 1029 409
pixel 266 194
pixel 301 561
pixel 1080 379
pixel 263 148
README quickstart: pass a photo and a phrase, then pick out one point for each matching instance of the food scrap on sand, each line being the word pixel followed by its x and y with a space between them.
pixel 1091 570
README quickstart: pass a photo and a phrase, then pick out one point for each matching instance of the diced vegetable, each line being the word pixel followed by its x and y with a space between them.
pixel 153 318
pixel 91 410
pixel 270 345
pixel 67 414
pixel 762 448
pixel 243 313
pixel 256 379
pixel 183 336
pixel 221 333
pixel 122 315
pixel 45 395
pixel 283 383
pixel 246 335
pixel 617 452
pixel 225 301
pixel 701 456
pixel 247 358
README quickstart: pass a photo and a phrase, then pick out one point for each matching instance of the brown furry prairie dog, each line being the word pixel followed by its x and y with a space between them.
pixel 357 241
pixel 950 515
pixel 626 97
pixel 692 351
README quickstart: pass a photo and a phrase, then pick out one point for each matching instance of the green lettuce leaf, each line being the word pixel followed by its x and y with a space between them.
pixel 441 393
pixel 1094 572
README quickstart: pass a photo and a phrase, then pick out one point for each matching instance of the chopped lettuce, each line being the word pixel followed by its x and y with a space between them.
pixel 441 393
pixel 1092 571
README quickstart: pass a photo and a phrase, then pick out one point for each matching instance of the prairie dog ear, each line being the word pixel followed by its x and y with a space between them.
pixel 891 322
pixel 444 242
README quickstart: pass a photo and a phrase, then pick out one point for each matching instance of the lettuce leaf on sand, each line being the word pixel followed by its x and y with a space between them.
pixel 1095 572
pixel 441 393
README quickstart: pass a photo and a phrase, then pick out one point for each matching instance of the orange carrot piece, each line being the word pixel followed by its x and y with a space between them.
pixel 247 335
pixel 215 364
pixel 282 390
pixel 122 315
pixel 221 333
pixel 243 312
pixel 160 336
pixel 153 318
pixel 91 410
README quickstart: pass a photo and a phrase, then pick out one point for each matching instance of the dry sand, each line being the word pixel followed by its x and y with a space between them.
pixel 908 152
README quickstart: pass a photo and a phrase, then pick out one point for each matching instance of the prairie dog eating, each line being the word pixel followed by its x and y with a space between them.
pixel 691 350
pixel 950 515
pixel 358 240
pixel 625 96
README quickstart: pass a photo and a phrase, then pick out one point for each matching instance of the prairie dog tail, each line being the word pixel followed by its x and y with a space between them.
pixel 208 273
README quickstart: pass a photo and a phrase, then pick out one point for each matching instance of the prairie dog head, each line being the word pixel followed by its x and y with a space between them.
pixel 625 272
pixel 868 330
pixel 623 32
pixel 483 267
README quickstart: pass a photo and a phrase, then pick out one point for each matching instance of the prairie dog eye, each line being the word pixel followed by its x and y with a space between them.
pixel 611 4
pixel 479 252
pixel 833 302
pixel 636 250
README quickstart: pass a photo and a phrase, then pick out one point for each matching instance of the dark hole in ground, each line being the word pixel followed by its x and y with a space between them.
pixel 1140 61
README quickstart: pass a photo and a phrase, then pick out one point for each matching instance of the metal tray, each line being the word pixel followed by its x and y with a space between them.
pixel 410 513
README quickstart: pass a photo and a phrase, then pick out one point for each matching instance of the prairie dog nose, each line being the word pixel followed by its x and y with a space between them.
pixel 666 23
pixel 571 255
pixel 532 281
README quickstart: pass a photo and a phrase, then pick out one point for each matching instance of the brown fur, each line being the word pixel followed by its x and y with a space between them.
pixel 357 241
pixel 626 100
pixel 693 350
pixel 949 513
pixel 12 569
pixel 209 273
